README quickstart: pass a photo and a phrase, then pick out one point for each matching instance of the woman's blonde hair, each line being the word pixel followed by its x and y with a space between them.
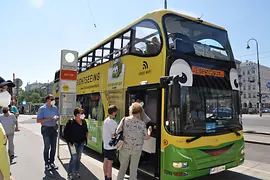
pixel 135 108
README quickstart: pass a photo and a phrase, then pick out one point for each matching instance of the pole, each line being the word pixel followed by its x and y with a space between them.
pixel 13 89
pixel 165 4
pixel 259 81
pixel 17 92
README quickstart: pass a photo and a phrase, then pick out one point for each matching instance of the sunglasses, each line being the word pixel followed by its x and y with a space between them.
pixel 52 99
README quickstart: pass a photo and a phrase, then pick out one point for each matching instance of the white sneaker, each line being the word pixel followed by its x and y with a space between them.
pixel 77 174
pixel 70 177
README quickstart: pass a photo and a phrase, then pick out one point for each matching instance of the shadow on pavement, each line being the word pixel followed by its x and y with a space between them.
pixel 228 175
pixel 84 172
pixel 52 175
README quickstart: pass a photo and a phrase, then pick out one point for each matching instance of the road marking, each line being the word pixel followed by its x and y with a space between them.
pixel 250 168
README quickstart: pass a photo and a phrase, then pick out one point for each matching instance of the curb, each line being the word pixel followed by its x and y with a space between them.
pixel 254 132
pixel 256 142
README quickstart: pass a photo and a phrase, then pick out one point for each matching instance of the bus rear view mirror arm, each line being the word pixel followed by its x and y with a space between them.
pixel 174 89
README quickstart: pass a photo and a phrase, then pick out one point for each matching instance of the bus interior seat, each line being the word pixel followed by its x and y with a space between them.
pixel 183 43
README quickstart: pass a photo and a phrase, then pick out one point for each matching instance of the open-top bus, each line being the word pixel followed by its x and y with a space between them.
pixel 184 71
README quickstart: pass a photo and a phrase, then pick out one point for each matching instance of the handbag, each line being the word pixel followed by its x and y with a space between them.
pixel 118 140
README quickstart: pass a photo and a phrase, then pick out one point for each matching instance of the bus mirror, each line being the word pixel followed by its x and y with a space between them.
pixel 165 81
pixel 175 92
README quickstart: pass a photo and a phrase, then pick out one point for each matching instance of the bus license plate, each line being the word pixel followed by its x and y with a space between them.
pixel 217 169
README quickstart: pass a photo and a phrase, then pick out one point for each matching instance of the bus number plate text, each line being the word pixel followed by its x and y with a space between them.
pixel 217 169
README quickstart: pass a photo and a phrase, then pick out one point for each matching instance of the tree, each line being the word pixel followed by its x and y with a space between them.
pixel 22 96
pixel 35 96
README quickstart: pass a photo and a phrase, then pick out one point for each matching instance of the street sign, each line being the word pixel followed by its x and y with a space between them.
pixel 18 82
pixel 67 84
pixel 268 84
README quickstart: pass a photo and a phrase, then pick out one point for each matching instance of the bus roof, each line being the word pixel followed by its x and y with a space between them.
pixel 149 15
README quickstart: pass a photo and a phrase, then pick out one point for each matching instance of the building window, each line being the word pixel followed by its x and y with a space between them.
pixel 244 87
pixel 249 95
pixel 254 87
pixel 249 87
pixel 245 96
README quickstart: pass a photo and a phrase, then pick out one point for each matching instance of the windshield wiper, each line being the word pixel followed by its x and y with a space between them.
pixel 193 138
pixel 232 129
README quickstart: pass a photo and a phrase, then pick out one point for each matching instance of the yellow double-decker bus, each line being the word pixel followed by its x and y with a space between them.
pixel 183 69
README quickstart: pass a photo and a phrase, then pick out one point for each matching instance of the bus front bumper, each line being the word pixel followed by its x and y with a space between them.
pixel 168 175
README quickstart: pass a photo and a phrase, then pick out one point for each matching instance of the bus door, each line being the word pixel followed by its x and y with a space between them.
pixel 150 98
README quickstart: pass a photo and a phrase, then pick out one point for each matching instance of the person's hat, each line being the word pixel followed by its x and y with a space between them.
pixel 6 83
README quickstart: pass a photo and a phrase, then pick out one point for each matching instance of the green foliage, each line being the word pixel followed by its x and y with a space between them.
pixel 35 96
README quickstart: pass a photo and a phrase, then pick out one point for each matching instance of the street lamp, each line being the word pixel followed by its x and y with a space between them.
pixel 259 77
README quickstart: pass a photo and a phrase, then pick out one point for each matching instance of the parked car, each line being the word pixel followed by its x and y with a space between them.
pixel 266 110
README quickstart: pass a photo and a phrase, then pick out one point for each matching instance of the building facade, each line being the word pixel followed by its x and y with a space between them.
pixel 248 76
pixel 47 87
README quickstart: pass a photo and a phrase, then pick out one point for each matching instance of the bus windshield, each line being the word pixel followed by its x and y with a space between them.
pixel 193 37
pixel 204 111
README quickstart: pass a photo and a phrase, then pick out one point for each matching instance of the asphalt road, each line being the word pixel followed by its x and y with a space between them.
pixel 256 123
pixel 29 164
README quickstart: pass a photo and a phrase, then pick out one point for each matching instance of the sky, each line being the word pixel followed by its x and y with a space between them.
pixel 33 32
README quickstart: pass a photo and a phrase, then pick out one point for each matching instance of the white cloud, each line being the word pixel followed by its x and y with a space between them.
pixel 37 3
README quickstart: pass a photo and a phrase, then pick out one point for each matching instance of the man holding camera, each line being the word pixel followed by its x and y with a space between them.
pixel 48 115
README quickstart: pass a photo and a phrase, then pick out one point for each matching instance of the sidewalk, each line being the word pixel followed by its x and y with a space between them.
pixel 29 163
pixel 257 138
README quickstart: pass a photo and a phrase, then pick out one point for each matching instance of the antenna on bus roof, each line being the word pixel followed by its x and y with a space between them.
pixel 165 4
pixel 91 14
pixel 199 18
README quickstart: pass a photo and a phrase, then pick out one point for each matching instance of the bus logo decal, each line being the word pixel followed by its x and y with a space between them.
pixel 145 65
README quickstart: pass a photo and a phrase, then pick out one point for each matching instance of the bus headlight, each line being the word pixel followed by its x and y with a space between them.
pixel 242 151
pixel 180 164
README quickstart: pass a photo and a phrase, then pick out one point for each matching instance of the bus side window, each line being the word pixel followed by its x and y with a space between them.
pixel 125 45
pixel 146 38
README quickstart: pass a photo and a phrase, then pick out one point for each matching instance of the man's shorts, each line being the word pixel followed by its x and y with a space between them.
pixel 110 154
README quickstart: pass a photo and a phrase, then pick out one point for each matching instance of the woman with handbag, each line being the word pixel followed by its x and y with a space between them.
pixel 134 133
pixel 76 134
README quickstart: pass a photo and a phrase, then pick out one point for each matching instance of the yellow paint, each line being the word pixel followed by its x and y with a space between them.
pixel 65 87
pixel 4 165
pixel 91 80
pixel 56 94
pixel 180 141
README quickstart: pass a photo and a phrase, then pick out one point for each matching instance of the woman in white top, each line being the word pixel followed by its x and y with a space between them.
pixel 134 133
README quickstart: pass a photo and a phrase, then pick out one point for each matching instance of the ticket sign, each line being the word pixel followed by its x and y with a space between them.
pixel 68 75
pixel 68 79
